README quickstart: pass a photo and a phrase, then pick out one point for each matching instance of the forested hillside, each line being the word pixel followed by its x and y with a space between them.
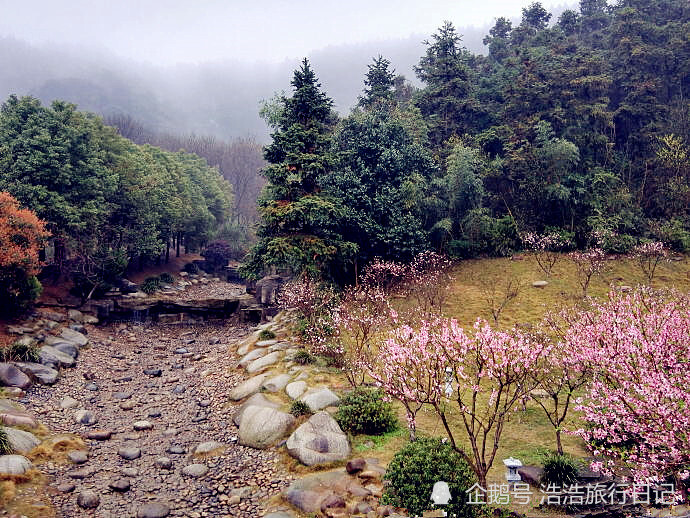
pixel 106 201
pixel 576 126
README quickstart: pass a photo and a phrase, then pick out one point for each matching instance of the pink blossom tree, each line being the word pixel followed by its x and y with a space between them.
pixel 587 263
pixel 637 406
pixel 479 375
pixel 546 249
pixel 648 256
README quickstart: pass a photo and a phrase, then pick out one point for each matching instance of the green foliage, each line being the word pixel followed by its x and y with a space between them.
pixel 105 199
pixel 150 285
pixel 166 278
pixel 19 352
pixel 303 357
pixel 414 469
pixel 5 446
pixel 560 470
pixel 299 408
pixel 217 254
pixel 17 291
pixel 363 411
pixel 266 334
pixel 191 268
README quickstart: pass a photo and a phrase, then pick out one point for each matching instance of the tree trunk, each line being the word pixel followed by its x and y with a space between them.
pixel 177 244
pixel 559 444
pixel 167 251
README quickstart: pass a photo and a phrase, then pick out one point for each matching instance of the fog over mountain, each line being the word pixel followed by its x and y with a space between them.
pixel 214 97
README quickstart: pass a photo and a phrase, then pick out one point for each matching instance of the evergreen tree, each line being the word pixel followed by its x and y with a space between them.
pixel 378 83
pixel 299 228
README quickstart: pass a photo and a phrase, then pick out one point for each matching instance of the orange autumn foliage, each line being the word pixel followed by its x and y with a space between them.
pixel 21 236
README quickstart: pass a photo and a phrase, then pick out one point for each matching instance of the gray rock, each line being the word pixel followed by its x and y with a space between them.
pixel 67 348
pixel 179 389
pixel 163 462
pixel 78 456
pixel 88 499
pixel 130 472
pixel 280 514
pixel 195 470
pixel 250 357
pixel 249 387
pixel 319 440
pixel 155 373
pixel 295 389
pixel 255 400
pixel 85 417
pixel 67 487
pixel 266 343
pixel 92 387
pixel 320 398
pixel 75 315
pixel 75 337
pixel 262 427
pixel 14 465
pixel 142 425
pixel 122 395
pixel 99 435
pixel 153 510
pixel 540 284
pixel 120 485
pixel 129 453
pixel 277 382
pixel 41 373
pixel 176 449
pixel 11 376
pixel 21 441
pixel 53 358
pixel 208 446
pixel 263 362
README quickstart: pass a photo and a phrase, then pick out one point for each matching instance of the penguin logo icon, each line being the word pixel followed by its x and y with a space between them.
pixel 440 495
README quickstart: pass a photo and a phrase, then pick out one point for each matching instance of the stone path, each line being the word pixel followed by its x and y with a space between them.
pixel 158 393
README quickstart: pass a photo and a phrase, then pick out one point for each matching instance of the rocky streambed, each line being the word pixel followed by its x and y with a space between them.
pixel 149 420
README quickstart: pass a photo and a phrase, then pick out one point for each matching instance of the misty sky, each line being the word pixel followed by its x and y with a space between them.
pixel 167 32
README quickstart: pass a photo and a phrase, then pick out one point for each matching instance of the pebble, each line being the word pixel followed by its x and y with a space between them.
pixel 99 435
pixel 129 453
pixel 195 470
pixel 88 499
pixel 155 373
pixel 142 425
pixel 78 456
pixel 85 417
pixel 120 485
pixel 91 386
pixel 163 462
pixel 153 510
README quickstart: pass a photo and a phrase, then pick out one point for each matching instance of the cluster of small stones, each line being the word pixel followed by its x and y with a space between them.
pixel 194 285
pixel 190 421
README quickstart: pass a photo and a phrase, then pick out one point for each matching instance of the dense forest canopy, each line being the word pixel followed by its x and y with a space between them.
pixel 105 200
pixel 577 125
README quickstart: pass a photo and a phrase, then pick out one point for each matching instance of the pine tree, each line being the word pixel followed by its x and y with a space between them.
pixel 299 227
pixel 378 83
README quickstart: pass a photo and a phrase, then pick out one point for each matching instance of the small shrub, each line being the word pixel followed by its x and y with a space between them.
pixel 417 466
pixel 303 357
pixel 166 278
pixel 5 446
pixel 191 268
pixel 19 352
pixel 299 408
pixel 150 285
pixel 559 470
pixel 217 254
pixel 267 334
pixel 365 411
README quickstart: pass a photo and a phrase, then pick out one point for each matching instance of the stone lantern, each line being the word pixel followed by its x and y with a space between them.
pixel 512 465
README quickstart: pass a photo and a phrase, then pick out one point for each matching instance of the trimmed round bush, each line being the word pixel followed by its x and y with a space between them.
pixel 303 357
pixel 365 411
pixel 267 334
pixel 150 285
pixel 166 278
pixel 191 268
pixel 560 470
pixel 217 254
pixel 299 408
pixel 415 469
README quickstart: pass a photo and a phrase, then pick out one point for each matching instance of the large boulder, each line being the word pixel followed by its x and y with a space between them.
pixel 50 356
pixel 309 493
pixel 295 389
pixel 14 465
pixel 320 398
pixel 12 416
pixel 262 427
pixel 127 286
pixel 41 373
pixel 21 441
pixel 319 440
pixel 263 362
pixel 277 383
pixel 77 338
pixel 68 348
pixel 11 376
pixel 247 388
pixel 250 357
pixel 255 400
